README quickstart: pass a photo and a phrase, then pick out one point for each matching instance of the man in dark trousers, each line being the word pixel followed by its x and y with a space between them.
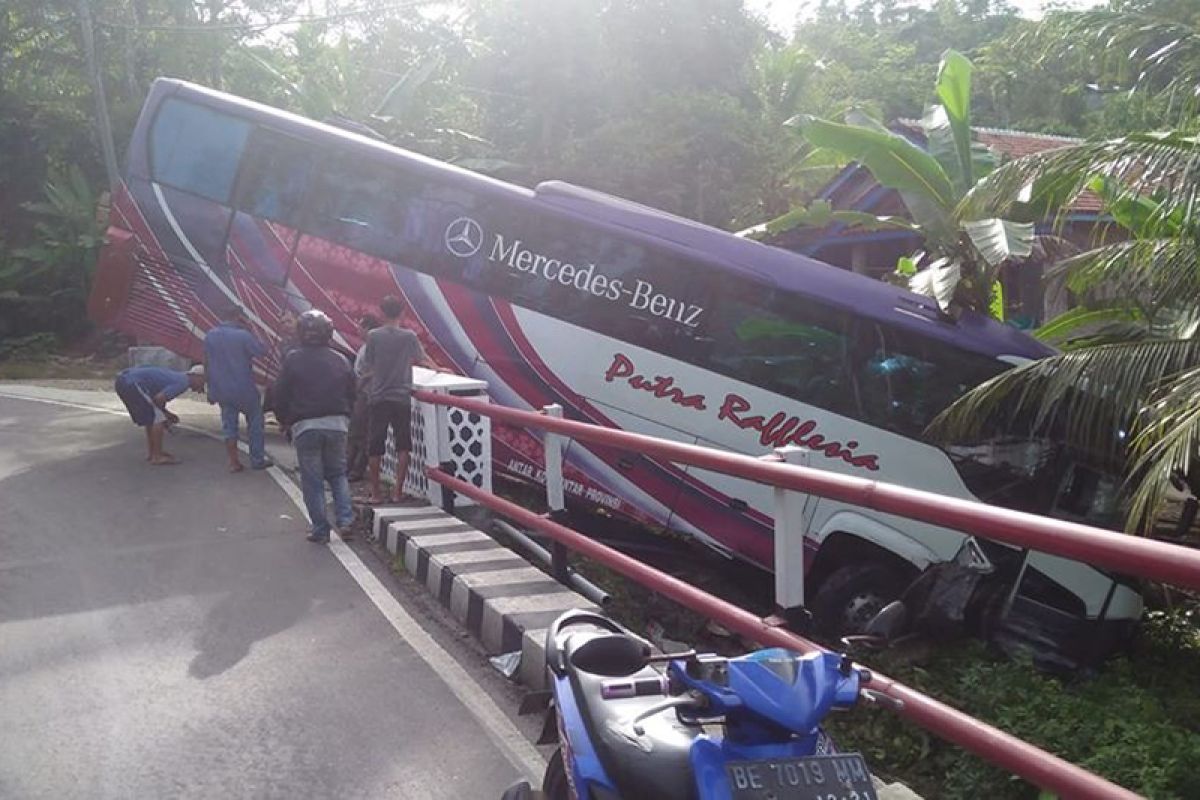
pixel 229 352
pixel 386 364
pixel 356 446
pixel 145 391
pixel 313 400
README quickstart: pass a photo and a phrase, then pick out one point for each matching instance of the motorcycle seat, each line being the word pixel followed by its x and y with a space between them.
pixel 655 764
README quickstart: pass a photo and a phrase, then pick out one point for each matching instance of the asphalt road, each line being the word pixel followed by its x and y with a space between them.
pixel 168 632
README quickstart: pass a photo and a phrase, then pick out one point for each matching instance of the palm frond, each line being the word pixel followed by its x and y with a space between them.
pixel 1165 164
pixel 1150 273
pixel 1166 443
pixel 1138 50
pixel 1066 327
pixel 1086 398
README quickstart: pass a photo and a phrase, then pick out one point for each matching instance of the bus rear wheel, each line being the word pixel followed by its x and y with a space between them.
pixel 852 595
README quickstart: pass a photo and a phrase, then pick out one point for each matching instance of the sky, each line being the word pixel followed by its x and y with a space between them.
pixel 782 13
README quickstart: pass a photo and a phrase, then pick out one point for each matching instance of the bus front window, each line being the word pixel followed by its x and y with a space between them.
pixel 907 380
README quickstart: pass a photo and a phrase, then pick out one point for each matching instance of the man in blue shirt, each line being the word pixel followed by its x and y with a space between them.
pixel 145 391
pixel 229 350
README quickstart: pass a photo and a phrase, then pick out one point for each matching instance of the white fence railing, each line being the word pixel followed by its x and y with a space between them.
pixel 443 434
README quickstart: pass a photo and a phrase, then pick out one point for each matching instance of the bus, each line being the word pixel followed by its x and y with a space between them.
pixel 627 317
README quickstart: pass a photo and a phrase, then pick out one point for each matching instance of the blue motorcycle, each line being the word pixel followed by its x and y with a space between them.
pixel 708 727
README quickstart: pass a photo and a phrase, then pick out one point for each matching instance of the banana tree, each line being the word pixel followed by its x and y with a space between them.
pixel 962 254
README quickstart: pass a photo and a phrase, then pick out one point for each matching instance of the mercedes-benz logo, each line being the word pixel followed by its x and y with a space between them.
pixel 464 237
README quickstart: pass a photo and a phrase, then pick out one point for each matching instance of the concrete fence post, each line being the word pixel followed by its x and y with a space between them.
pixel 556 501
pixel 790 529
pixel 553 444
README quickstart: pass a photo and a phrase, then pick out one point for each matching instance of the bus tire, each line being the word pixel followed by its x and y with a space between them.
pixel 554 783
pixel 847 600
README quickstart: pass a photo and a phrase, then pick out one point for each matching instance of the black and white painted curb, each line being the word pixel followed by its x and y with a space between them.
pixel 502 600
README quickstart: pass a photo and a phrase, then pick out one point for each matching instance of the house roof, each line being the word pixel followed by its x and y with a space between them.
pixel 1010 144
pixel 854 188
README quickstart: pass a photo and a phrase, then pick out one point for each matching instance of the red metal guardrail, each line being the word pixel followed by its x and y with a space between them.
pixel 1005 750
pixel 1132 555
pixel 1165 562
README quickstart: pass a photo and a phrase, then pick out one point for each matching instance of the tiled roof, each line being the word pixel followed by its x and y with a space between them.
pixel 1009 144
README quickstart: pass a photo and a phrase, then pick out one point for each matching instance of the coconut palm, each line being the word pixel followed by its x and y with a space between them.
pixel 1128 382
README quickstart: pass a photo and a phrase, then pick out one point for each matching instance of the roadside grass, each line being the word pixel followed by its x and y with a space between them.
pixel 1135 722
pixel 56 367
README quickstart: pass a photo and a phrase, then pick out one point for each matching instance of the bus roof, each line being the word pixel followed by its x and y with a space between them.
pixel 794 272
pixel 784 269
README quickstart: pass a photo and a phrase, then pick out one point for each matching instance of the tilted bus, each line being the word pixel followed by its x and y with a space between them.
pixel 626 316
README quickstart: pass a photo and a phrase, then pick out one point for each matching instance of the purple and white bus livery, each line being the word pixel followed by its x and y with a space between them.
pixel 626 316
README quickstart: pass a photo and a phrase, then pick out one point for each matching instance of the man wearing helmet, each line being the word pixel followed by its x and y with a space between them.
pixel 314 397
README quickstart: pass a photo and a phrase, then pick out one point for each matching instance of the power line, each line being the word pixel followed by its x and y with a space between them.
pixel 247 27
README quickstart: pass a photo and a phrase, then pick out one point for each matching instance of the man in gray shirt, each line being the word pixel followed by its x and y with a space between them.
pixel 386 368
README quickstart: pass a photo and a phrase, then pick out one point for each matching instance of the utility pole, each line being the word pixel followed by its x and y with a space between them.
pixel 103 124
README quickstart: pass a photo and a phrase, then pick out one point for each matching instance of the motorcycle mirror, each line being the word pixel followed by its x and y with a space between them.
pixel 889 623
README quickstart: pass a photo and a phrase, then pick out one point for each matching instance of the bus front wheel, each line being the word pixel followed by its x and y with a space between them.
pixel 852 595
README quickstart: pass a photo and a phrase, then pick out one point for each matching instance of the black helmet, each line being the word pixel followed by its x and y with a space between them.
pixel 314 327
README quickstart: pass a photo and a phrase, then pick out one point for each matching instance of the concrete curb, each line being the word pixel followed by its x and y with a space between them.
pixel 502 600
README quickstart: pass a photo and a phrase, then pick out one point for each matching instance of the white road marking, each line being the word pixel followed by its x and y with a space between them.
pixel 515 747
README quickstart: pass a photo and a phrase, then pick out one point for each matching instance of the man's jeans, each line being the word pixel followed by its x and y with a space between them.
pixel 322 457
pixel 252 409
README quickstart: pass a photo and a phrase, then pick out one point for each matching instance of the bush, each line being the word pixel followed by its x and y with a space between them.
pixel 1137 723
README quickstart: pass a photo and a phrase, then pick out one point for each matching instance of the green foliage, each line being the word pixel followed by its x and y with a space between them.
pixel 965 252
pixel 44 284
pixel 68 236
pixel 34 345
pixel 1137 722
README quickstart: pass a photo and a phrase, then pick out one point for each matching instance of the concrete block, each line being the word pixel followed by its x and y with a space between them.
pixel 533 658
pixel 496 610
pixel 146 356
pixel 473 582
pixel 382 515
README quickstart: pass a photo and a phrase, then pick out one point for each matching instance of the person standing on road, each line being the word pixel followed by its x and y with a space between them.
pixel 387 361
pixel 357 439
pixel 229 350
pixel 145 391
pixel 313 400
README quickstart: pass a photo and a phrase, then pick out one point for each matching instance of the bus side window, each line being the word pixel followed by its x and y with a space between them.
pixel 196 149
pixel 275 175
pixel 361 205
pixel 907 380
pixel 784 343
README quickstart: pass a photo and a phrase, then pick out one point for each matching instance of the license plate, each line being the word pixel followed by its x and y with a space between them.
pixel 838 777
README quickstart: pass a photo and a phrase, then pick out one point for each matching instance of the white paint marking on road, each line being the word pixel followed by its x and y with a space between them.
pixel 516 748
pixel 523 755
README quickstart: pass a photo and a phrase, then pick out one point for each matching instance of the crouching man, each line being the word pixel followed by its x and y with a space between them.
pixel 314 397
pixel 145 391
